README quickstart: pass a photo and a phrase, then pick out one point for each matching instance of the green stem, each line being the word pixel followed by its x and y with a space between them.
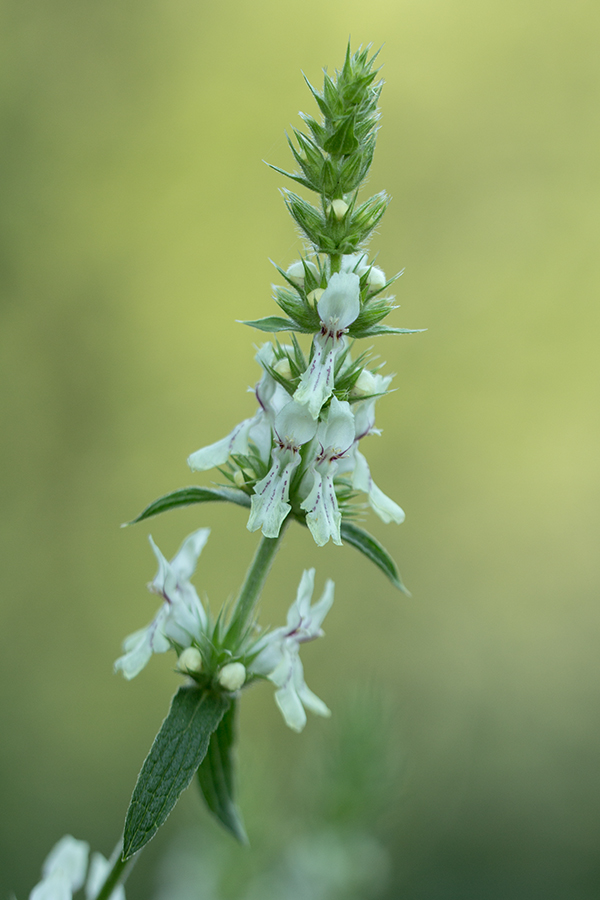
pixel 252 586
pixel 117 875
pixel 336 262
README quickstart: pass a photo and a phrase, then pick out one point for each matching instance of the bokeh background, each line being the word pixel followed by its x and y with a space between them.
pixel 137 224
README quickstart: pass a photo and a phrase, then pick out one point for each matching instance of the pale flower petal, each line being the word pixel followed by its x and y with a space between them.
pixel 336 437
pixel 322 514
pixel 63 870
pixel 293 427
pixel 54 887
pixel 317 382
pixel 279 656
pixel 269 501
pixel 183 564
pixel 181 618
pixel 289 703
pixel 218 453
pixel 338 307
pixel 387 510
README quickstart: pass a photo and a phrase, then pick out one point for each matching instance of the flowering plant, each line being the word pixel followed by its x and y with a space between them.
pixel 296 460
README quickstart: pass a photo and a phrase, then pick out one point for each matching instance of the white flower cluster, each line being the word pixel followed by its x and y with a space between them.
pixel 182 623
pixel 64 873
pixel 304 440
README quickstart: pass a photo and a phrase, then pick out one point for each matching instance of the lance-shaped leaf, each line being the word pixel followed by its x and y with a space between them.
pixel 375 330
pixel 216 776
pixel 177 751
pixel 188 495
pixel 276 323
pixel 374 551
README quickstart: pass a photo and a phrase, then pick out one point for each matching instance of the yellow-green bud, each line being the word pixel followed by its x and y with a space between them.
pixel 190 660
pixel 340 208
pixel 282 367
pixel 232 676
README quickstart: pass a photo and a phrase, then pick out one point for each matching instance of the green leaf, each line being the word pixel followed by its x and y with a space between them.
pixel 373 550
pixel 188 495
pixel 375 330
pixel 216 776
pixel 177 751
pixel 275 323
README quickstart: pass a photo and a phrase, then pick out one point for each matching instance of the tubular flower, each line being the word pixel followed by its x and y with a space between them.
pixel 338 307
pixel 279 656
pixel 335 438
pixel 293 427
pixel 181 618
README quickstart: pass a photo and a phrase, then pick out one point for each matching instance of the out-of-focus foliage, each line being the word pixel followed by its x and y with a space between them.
pixel 137 220
pixel 341 804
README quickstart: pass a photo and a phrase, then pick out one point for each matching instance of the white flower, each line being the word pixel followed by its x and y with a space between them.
pixel 63 871
pixel 335 438
pixel 338 307
pixel 279 656
pixel 181 617
pixel 293 427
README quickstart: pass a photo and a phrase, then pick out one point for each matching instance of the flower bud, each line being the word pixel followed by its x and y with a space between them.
pixel 295 272
pixel 376 279
pixel 282 367
pixel 190 660
pixel 340 208
pixel 365 385
pixel 232 676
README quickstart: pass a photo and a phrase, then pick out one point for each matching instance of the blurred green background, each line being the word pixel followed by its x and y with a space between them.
pixel 137 222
